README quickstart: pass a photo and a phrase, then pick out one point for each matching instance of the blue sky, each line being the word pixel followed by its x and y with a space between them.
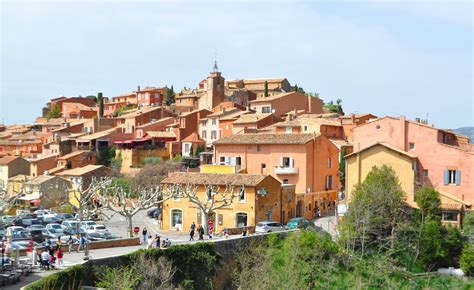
pixel 383 57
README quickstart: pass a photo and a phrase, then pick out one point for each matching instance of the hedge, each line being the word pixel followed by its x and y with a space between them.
pixel 196 265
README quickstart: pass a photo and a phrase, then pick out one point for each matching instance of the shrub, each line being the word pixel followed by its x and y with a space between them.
pixel 467 260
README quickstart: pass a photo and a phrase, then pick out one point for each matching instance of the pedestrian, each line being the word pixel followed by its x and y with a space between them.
pixel 82 243
pixel 149 242
pixel 226 234
pixel 58 243
pixel 70 242
pixel 318 212
pixel 244 232
pixel 157 240
pixel 60 257
pixel 45 259
pixel 145 235
pixel 191 232
pixel 201 232
pixel 168 243
pixel 210 228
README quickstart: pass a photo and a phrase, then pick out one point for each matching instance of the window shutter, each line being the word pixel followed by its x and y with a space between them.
pixel 292 163
pixel 446 177
pixel 458 177
pixel 232 161
pixel 226 160
pixel 332 182
pixel 281 161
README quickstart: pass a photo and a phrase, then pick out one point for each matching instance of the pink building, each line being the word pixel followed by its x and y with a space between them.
pixel 307 161
pixel 445 159
pixel 280 104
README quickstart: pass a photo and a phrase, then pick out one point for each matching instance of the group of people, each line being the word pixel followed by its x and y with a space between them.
pixel 200 231
pixel 151 242
pixel 50 255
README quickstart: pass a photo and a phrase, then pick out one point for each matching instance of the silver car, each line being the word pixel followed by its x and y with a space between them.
pixel 269 226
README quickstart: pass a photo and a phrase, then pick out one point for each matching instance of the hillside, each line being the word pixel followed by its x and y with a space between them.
pixel 468 131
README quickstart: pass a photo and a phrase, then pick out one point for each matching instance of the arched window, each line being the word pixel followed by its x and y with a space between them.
pixel 241 219
pixel 176 217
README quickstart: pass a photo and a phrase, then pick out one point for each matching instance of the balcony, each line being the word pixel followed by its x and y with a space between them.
pixel 286 170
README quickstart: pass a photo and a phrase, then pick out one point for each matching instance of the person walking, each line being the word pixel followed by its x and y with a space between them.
pixel 82 243
pixel 149 242
pixel 244 232
pixel 191 232
pixel 200 231
pixel 60 257
pixel 157 241
pixel 210 229
pixel 70 242
pixel 144 234
pixel 58 243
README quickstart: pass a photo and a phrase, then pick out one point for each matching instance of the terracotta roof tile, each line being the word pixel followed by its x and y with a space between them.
pixel 214 178
pixel 6 160
pixel 267 138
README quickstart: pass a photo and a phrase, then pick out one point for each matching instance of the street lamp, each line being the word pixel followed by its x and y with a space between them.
pixel 3 251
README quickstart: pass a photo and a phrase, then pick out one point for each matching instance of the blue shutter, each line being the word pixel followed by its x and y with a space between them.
pixel 446 177
pixel 458 177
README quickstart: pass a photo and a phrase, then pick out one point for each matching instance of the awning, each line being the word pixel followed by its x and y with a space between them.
pixel 30 197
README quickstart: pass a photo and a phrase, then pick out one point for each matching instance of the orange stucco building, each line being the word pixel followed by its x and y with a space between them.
pixel 308 161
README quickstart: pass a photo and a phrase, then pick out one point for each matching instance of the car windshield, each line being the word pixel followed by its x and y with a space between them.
pixel 100 228
pixel 293 221
pixel 260 225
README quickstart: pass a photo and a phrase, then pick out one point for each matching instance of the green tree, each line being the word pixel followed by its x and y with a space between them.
pixel 468 223
pixel 452 242
pixel 200 148
pixel 92 97
pixel 467 259
pixel 342 167
pixel 334 107
pixel 55 112
pixel 170 96
pixel 376 210
pixel 427 198
pixel 100 99
pixel 265 91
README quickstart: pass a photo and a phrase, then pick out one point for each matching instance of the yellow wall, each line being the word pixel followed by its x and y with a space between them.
pixel 253 206
pixel 136 157
pixel 359 165
pixel 15 186
pixel 209 168
pixel 74 198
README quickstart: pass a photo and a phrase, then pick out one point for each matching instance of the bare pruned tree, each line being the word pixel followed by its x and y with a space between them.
pixel 117 199
pixel 210 201
pixel 7 201
pixel 155 273
pixel 85 196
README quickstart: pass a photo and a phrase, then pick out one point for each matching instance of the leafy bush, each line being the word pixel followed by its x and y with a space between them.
pixel 71 278
pixel 467 260
pixel 117 278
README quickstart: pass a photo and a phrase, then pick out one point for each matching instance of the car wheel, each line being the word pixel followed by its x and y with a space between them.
pixel 269 231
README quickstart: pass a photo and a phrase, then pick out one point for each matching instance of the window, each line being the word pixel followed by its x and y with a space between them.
pixel 227 127
pixel 266 110
pixel 204 134
pixel 213 134
pixel 329 162
pixel 268 216
pixel 241 219
pixel 289 130
pixel 290 194
pixel 176 218
pixel 213 121
pixel 285 181
pixel 220 219
pixel 186 148
pixel 452 177
pixel 329 182
pixel 222 160
pixel 238 161
pixel 450 216
pixel 259 148
pixel 242 194
pixel 305 128
pixel 411 146
pixel 377 127
pixel 309 206
pixel 425 172
pixel 287 162
pixel 262 168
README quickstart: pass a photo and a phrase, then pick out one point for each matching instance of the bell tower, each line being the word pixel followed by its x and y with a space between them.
pixel 215 88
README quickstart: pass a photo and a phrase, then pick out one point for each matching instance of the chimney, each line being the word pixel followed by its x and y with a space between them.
pixel 138 88
pixel 417 120
pixel 309 104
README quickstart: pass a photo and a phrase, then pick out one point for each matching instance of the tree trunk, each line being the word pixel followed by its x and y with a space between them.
pixel 130 227
pixel 205 219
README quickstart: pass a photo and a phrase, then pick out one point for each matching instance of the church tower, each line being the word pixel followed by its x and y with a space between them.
pixel 215 88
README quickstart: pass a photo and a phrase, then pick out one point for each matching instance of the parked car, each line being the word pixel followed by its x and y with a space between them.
pixel 55 226
pixel 96 229
pixel 26 215
pixel 19 233
pixel 86 224
pixel 70 224
pixel 36 227
pixel 65 216
pixel 26 222
pixel 154 213
pixel 109 236
pixel 92 237
pixel 47 219
pixel 7 219
pixel 23 244
pixel 37 235
pixel 42 212
pixel 269 226
pixel 52 233
pixel 300 223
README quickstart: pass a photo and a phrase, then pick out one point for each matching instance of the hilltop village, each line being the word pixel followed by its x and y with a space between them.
pixel 293 154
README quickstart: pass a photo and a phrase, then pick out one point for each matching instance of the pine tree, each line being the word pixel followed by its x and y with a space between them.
pixel 100 98
pixel 170 96
pixel 266 89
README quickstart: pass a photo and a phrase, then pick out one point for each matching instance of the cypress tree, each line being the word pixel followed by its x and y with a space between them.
pixel 266 89
pixel 100 98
